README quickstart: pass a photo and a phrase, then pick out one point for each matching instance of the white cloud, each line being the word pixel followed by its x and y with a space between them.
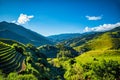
pixel 93 17
pixel 104 27
pixel 23 18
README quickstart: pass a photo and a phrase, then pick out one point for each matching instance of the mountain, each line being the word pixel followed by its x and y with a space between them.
pixel 106 41
pixel 96 41
pixel 63 37
pixel 80 39
pixel 98 59
pixel 85 37
pixel 19 33
pixel 14 36
pixel 115 29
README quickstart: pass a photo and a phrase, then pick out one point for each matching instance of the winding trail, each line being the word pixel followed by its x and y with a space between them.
pixel 23 67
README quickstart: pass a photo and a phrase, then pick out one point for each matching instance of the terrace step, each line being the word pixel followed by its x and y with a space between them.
pixel 5 48
pixel 16 66
pixel 9 52
pixel 6 59
pixel 4 51
pixel 12 60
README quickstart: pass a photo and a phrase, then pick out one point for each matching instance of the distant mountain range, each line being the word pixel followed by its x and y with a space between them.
pixel 72 37
pixel 77 39
pixel 63 37
pixel 21 34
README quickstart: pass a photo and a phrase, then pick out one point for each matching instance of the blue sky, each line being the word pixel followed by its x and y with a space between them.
pixel 49 17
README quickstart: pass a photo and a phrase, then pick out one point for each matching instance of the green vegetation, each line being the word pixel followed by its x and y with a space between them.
pixel 66 52
pixel 58 51
pixel 91 57
pixel 9 57
pixel 27 61
pixel 99 59
pixel 49 50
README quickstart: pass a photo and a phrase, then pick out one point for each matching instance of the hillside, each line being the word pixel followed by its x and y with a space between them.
pixel 10 59
pixel 98 59
pixel 19 33
pixel 25 60
pixel 77 41
pixel 105 41
pixel 86 38
pixel 12 35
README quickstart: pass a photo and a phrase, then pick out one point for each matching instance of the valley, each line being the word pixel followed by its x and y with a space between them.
pixel 27 55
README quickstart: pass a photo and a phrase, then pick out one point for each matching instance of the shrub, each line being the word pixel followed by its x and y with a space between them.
pixel 15 76
pixel 18 48
pixel 31 47
pixel 102 70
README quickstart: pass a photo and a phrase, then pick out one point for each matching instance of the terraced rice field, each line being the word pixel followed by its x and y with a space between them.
pixel 10 59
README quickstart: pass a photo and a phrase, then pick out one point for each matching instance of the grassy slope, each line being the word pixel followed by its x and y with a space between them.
pixel 106 46
pixel 106 41
pixel 94 52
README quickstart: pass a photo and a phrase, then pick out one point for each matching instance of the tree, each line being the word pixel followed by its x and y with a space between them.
pixel 18 48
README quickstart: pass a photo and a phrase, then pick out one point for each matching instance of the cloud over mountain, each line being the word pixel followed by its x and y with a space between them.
pixel 103 27
pixel 23 18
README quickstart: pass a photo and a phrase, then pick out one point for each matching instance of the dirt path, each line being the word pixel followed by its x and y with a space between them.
pixel 23 67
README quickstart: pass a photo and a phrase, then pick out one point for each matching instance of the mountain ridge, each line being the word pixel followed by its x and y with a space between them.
pixel 32 36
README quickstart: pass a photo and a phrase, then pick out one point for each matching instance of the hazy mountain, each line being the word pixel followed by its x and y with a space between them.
pixel 63 37
pixel 19 33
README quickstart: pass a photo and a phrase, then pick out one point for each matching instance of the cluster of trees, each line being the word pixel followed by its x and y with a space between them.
pixel 16 76
pixel 38 66
pixel 100 70
pixel 59 51
pixel 66 52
